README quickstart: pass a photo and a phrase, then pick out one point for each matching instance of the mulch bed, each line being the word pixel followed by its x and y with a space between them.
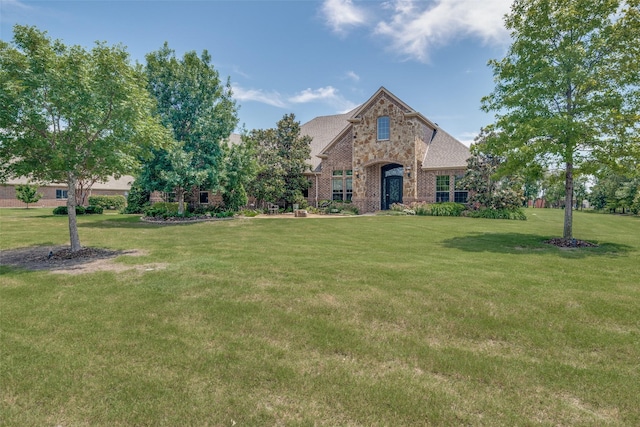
pixel 56 257
pixel 570 243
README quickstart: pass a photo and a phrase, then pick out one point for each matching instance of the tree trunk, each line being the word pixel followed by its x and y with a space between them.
pixel 71 209
pixel 180 195
pixel 568 202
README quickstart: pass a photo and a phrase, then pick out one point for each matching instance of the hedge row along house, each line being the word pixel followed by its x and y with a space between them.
pixel 381 153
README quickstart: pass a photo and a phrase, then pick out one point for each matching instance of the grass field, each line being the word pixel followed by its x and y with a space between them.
pixel 372 320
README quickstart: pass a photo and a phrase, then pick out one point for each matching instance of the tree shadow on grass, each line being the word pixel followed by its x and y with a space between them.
pixel 119 222
pixel 517 243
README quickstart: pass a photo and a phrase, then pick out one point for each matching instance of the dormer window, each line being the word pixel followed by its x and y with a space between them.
pixel 383 128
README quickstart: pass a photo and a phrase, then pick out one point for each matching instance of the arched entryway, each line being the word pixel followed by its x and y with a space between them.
pixel 391 185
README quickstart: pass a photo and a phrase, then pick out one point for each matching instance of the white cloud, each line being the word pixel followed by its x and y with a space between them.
pixel 258 95
pixel 415 29
pixel 341 15
pixel 328 95
pixel 353 76
pixel 467 138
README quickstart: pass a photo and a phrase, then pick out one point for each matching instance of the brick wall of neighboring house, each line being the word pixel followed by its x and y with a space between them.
pixel 48 199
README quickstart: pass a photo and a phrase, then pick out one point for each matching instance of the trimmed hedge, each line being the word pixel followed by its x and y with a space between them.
pixel 62 210
pixel 108 202
pixel 489 213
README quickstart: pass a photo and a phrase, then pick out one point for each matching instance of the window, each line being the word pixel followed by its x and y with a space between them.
pixel 460 195
pixel 62 194
pixel 204 197
pixel 342 185
pixel 383 128
pixel 442 188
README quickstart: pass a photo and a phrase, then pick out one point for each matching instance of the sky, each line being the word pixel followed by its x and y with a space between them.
pixel 307 57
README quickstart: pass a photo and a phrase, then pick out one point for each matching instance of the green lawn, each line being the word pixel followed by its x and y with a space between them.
pixel 379 320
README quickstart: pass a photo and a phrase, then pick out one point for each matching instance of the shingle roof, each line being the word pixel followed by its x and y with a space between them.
pixel 323 130
pixel 445 152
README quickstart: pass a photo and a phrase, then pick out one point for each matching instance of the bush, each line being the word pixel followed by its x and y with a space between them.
pixel 137 200
pixel 447 209
pixel 337 206
pixel 62 210
pixel 108 202
pixel 162 210
pixel 94 210
pixel 249 213
pixel 421 208
pixel 224 214
pixel 516 214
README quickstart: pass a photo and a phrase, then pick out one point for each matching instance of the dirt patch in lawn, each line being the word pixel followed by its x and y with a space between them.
pixel 60 259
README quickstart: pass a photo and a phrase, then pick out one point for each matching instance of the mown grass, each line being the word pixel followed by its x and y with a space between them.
pixel 343 321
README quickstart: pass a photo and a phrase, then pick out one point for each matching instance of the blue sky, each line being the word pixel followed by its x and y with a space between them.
pixel 311 58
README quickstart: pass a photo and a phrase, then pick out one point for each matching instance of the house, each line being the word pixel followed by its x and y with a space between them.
pixel 55 194
pixel 381 153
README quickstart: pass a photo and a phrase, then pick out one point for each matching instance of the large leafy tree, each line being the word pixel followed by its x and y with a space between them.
pixel 282 154
pixel 201 113
pixel 71 115
pixel 568 90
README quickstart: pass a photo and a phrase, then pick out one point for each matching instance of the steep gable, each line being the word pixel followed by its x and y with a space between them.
pixel 445 152
pixel 323 131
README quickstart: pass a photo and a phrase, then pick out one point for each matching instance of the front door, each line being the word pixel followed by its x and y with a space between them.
pixel 391 185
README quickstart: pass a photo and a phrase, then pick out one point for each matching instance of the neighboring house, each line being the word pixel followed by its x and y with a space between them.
pixel 55 194
pixel 381 153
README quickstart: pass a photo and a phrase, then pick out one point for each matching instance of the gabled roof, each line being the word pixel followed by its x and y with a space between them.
pixel 323 130
pixel 445 152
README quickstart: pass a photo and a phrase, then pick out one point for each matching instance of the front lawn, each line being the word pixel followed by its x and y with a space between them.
pixel 378 320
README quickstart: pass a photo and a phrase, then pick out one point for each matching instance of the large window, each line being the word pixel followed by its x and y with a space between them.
pixel 204 197
pixel 383 128
pixel 460 195
pixel 342 185
pixel 442 188
pixel 62 194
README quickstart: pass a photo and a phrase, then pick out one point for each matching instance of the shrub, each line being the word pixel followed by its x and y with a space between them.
pixel 447 209
pixel 249 213
pixel 108 202
pixel 137 200
pixel 224 214
pixel 337 206
pixel 62 210
pixel 162 210
pixel 421 208
pixel 516 214
pixel 94 210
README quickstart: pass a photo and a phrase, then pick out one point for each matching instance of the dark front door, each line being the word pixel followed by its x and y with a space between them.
pixel 394 190
pixel 391 185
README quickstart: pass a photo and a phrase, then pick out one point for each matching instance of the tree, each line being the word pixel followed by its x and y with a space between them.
pixel 27 193
pixel 568 91
pixel 71 115
pixel 282 154
pixel 241 167
pixel 200 112
pixel 487 190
